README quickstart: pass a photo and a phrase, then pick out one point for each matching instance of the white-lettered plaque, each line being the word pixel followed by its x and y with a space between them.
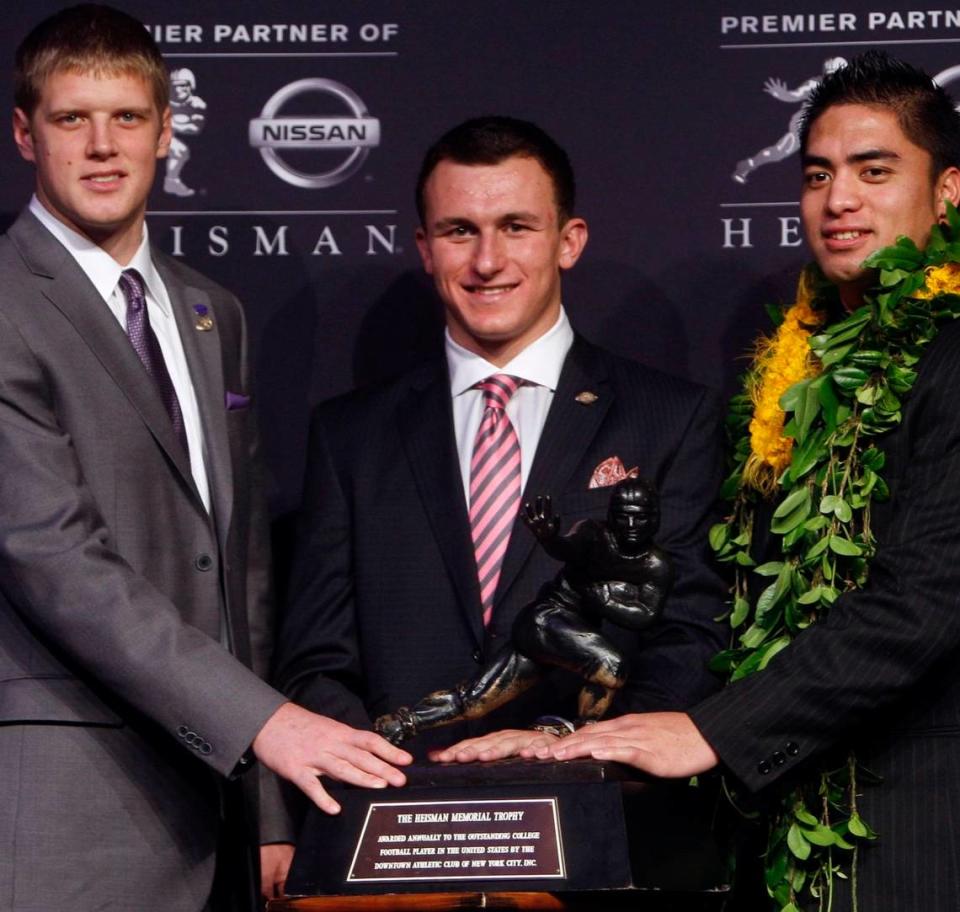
pixel 459 840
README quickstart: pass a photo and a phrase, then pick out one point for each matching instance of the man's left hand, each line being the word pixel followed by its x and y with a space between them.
pixel 275 860
pixel 510 742
pixel 665 744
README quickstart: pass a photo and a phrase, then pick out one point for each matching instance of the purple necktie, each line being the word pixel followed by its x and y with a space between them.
pixel 145 344
pixel 494 485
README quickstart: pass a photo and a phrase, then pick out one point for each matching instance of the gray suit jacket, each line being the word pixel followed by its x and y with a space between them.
pixel 119 708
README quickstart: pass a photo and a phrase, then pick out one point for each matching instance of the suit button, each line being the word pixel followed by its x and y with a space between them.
pixel 779 758
pixel 764 767
pixel 477 656
pixel 793 748
pixel 182 731
pixel 203 562
pixel 206 748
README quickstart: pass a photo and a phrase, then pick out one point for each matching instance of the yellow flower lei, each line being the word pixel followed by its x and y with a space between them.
pixel 786 358
pixel 939 280
pixel 779 362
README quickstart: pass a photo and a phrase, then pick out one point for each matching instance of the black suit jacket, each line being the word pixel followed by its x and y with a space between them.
pixel 881 672
pixel 385 601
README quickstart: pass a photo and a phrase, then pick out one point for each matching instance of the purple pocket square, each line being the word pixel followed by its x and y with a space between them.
pixel 236 401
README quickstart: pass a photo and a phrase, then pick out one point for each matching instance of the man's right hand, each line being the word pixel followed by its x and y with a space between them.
pixel 665 744
pixel 302 746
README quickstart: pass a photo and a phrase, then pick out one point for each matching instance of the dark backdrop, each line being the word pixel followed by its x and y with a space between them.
pixel 656 102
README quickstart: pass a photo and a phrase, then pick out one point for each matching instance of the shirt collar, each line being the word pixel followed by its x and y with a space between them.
pixel 539 364
pixel 97 265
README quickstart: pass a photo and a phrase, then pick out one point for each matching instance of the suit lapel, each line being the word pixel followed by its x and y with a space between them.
pixel 204 354
pixel 72 293
pixel 568 432
pixel 426 427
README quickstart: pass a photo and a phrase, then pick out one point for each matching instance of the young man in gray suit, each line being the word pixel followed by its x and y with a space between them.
pixel 134 603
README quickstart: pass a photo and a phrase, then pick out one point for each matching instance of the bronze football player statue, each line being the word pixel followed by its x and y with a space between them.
pixel 612 571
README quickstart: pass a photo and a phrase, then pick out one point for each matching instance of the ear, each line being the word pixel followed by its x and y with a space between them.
pixel 23 135
pixel 166 133
pixel 948 190
pixel 573 238
pixel 423 245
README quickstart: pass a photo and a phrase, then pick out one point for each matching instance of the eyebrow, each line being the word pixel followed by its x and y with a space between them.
pixel 116 109
pixel 452 222
pixel 520 217
pixel 455 221
pixel 854 159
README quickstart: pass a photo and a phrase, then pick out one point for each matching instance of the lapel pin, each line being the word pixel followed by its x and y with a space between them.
pixel 586 397
pixel 203 322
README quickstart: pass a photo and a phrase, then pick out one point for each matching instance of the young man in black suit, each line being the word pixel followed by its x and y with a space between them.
pixel 411 568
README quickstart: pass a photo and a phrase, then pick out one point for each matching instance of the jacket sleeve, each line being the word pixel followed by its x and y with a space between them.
pixel 318 658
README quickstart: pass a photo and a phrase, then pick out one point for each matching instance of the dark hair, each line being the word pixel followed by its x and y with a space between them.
pixel 87 39
pixel 491 139
pixel 924 110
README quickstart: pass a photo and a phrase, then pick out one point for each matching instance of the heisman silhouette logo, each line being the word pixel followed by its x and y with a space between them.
pixel 188 116
pixel 789 143
pixel 348 139
pixel 950 74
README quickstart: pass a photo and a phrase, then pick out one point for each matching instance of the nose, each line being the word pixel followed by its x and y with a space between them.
pixel 488 257
pixel 843 195
pixel 101 143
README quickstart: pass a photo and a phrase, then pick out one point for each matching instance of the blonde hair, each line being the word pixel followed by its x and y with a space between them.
pixel 90 39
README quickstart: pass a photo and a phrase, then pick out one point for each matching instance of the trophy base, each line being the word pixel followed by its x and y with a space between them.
pixel 509 832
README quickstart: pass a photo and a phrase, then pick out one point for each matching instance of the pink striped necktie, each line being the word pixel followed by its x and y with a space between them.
pixel 494 485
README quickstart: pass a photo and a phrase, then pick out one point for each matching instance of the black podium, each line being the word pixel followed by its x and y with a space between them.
pixel 560 831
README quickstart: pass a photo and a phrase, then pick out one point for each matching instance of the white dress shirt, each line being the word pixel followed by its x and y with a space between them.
pixel 538 365
pixel 104 272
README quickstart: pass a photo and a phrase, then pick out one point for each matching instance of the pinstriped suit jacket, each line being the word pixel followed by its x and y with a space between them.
pixel 883 671
pixel 385 602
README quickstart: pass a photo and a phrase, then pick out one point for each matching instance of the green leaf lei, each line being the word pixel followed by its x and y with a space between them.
pixel 821 526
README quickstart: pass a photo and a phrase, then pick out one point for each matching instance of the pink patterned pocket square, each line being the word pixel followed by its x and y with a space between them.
pixel 609 472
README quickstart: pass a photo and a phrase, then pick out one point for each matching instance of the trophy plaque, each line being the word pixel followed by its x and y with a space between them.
pixel 509 827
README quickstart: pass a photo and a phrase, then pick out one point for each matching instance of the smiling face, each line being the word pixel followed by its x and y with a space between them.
pixel 95 142
pixel 493 243
pixel 865 183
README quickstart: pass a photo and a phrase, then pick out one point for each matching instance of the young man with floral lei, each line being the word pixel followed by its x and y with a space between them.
pixel 843 709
